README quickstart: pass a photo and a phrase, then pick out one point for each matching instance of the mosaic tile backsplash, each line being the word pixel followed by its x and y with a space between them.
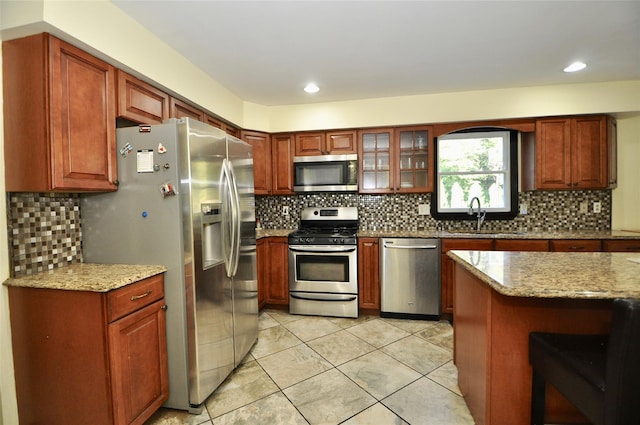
pixel 45 230
pixel 546 211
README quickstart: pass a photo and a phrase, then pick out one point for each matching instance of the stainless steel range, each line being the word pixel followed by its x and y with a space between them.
pixel 323 263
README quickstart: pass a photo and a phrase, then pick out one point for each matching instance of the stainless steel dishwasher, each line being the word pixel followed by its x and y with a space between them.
pixel 410 278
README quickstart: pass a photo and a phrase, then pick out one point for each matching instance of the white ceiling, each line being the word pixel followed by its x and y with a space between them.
pixel 265 51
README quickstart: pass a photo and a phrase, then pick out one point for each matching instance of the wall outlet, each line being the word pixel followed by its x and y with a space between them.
pixel 584 207
pixel 423 209
pixel 597 207
pixel 523 209
pixel 285 210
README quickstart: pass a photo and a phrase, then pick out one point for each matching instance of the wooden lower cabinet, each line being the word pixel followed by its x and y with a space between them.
pixel 448 265
pixel 575 245
pixel 262 270
pixel 273 271
pixel 368 273
pixel 90 357
pixel 630 245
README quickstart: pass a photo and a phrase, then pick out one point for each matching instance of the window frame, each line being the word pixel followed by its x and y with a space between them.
pixel 513 144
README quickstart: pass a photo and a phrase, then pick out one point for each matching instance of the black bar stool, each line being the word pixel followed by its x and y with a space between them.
pixel 599 374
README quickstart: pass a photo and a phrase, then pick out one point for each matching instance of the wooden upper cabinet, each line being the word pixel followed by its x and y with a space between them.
pixel 261 143
pixel 398 160
pixel 141 102
pixel 572 153
pixel 215 122
pixel 612 146
pixel 325 143
pixel 60 111
pixel 341 142
pixel 180 109
pixel 310 144
pixel 414 153
pixel 376 164
pixel 282 152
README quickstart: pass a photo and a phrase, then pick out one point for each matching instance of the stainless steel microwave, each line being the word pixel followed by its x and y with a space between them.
pixel 325 173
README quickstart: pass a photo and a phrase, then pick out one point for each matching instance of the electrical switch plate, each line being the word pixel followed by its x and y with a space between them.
pixel 423 209
pixel 523 209
pixel 584 207
pixel 597 207
pixel 285 210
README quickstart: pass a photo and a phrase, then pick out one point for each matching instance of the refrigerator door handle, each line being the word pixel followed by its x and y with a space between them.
pixel 228 224
pixel 235 220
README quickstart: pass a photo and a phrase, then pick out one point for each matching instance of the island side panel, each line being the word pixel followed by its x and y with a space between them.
pixel 509 320
pixel 472 340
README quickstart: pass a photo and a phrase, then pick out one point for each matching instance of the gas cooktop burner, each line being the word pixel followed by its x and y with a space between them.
pixel 326 226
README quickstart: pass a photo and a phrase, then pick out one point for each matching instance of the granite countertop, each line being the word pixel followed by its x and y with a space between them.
pixel 486 234
pixel 88 277
pixel 267 233
pixel 608 234
pixel 589 275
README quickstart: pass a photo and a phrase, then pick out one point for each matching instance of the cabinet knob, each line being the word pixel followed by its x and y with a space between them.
pixel 164 307
pixel 116 182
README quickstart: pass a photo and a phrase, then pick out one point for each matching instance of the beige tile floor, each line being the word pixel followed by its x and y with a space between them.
pixel 322 370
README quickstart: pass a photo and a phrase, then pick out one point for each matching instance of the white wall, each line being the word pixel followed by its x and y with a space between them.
pixel 102 29
pixel 626 197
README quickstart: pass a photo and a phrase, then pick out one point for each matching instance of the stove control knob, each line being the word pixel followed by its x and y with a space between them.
pixel 342 241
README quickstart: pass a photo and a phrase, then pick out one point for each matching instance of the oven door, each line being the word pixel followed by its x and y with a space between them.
pixel 323 268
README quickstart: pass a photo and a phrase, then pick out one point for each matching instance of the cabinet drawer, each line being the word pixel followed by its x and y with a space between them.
pixel 472 244
pixel 522 245
pixel 135 296
pixel 575 245
pixel 630 245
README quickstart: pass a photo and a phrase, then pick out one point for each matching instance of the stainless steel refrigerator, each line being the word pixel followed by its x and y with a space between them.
pixel 186 200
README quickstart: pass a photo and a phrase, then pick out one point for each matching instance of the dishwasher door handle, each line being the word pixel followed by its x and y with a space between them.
pixel 387 245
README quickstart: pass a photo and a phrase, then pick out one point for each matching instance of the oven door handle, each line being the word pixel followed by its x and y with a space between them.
pixel 321 250
pixel 322 297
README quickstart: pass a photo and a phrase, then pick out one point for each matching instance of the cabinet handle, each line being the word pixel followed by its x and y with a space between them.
pixel 575 248
pixel 137 297
pixel 164 307
pixel 116 182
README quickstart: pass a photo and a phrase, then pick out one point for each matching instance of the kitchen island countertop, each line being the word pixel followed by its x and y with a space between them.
pixel 88 277
pixel 583 275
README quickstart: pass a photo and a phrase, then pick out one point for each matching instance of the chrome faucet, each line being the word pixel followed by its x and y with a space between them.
pixel 481 214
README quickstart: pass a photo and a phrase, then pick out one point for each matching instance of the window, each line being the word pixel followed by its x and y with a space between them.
pixel 480 163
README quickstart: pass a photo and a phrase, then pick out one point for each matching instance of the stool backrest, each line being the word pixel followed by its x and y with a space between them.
pixel 622 376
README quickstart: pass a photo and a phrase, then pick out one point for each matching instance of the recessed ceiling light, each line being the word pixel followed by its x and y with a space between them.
pixel 576 66
pixel 311 88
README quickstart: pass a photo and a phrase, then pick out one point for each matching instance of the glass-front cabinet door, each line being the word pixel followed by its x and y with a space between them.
pixel 398 160
pixel 377 163
pixel 414 154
